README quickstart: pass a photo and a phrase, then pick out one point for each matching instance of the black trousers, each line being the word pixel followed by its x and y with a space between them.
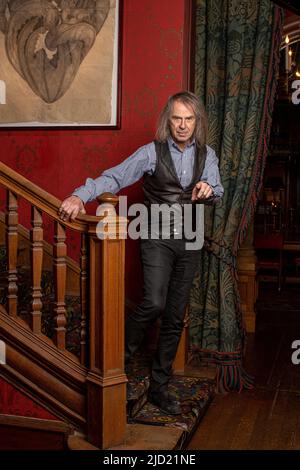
pixel 168 274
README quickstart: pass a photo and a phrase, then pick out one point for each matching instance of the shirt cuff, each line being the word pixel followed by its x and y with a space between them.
pixel 82 194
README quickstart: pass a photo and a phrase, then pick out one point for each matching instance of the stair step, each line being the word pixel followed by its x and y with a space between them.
pixel 138 396
pixel 195 395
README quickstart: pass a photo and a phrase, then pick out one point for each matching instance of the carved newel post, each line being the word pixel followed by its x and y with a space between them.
pixel 106 380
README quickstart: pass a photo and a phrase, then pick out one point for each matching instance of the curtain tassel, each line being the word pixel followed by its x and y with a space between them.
pixel 233 377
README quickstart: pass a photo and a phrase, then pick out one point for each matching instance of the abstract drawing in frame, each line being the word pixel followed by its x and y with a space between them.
pixel 59 63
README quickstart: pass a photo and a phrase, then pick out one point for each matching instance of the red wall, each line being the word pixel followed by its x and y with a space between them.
pixel 152 69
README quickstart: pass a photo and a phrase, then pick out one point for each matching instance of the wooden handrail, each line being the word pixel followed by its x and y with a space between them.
pixel 42 199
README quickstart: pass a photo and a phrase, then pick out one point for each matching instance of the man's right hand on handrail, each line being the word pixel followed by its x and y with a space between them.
pixel 71 207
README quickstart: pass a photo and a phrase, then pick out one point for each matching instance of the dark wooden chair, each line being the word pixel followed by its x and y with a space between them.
pixel 269 252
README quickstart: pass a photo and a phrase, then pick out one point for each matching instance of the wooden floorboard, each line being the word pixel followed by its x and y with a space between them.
pixel 267 417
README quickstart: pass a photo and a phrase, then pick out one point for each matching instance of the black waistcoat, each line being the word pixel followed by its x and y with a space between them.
pixel 163 186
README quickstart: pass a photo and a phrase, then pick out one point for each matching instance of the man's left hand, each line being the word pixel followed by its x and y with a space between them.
pixel 201 191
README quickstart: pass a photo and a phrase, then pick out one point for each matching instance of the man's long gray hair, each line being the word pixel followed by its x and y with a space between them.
pixel 192 101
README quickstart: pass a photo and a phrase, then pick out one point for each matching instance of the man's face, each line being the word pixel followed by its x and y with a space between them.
pixel 182 124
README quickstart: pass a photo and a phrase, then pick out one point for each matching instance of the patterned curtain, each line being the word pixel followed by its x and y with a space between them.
pixel 237 57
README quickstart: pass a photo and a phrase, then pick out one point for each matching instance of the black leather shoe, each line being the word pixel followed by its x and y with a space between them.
pixel 164 401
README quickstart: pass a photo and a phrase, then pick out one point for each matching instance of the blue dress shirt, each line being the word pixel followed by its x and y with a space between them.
pixel 144 161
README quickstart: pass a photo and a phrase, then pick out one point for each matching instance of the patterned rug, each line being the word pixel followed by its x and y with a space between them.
pixel 194 393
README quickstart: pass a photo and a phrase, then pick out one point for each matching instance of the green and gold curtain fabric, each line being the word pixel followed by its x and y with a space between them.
pixel 237 55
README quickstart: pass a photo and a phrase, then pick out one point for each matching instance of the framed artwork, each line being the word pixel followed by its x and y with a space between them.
pixel 60 63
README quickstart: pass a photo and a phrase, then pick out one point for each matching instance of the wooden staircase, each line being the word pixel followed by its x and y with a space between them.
pixel 88 394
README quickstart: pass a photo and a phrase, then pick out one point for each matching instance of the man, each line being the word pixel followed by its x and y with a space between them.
pixel 178 169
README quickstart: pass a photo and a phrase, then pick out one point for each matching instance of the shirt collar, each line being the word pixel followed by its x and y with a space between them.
pixel 173 144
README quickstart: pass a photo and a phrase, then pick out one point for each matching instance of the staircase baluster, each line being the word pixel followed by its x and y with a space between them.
pixel 60 271
pixel 36 237
pixel 83 297
pixel 12 251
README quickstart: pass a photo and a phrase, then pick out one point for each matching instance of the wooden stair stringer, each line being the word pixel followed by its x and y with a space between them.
pixel 55 379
